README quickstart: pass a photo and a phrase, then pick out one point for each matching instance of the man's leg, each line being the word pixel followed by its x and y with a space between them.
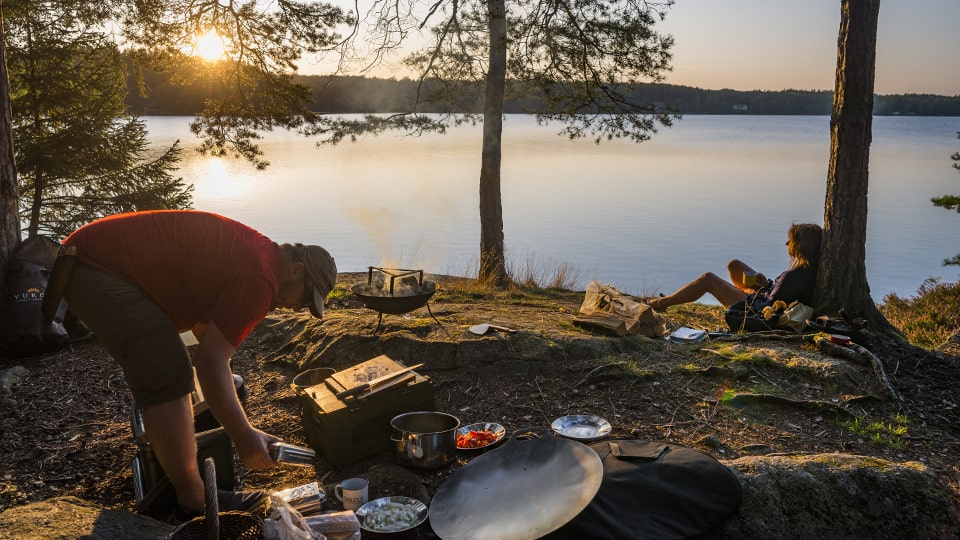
pixel 156 366
pixel 169 427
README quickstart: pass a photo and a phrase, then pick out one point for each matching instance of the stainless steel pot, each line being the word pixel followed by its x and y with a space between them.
pixel 425 439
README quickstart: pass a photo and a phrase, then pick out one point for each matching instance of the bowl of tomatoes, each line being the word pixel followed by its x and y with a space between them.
pixel 479 436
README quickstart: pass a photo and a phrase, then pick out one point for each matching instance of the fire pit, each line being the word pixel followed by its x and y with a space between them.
pixel 398 292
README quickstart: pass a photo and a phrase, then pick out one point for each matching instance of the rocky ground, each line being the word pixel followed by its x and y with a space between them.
pixel 67 431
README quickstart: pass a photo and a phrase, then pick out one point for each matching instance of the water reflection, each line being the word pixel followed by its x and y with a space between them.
pixel 643 217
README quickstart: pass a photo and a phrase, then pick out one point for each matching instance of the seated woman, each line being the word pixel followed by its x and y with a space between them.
pixel 796 283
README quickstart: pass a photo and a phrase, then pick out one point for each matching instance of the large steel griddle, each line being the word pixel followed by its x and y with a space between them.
pixel 532 485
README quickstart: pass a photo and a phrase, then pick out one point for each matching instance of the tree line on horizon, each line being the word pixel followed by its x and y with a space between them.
pixel 357 94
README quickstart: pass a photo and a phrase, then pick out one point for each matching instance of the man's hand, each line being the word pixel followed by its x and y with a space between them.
pixel 254 449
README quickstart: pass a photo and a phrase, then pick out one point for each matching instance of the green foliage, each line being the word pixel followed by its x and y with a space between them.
pixel 881 433
pixel 174 94
pixel 950 202
pixel 929 318
pixel 252 89
pixel 579 66
pixel 79 155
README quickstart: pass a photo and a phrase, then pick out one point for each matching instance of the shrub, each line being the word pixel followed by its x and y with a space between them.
pixel 928 319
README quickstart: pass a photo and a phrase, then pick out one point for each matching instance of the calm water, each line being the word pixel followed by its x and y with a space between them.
pixel 644 218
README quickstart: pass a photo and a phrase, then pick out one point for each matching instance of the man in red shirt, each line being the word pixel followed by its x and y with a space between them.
pixel 144 277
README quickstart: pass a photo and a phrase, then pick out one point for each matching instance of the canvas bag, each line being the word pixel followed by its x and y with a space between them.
pixel 654 490
pixel 796 316
pixel 638 317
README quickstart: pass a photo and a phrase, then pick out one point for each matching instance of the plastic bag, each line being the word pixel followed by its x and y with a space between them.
pixel 285 523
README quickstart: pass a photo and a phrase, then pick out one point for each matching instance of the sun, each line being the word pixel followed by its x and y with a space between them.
pixel 209 46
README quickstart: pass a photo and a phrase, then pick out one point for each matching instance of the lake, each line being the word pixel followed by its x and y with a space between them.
pixel 644 217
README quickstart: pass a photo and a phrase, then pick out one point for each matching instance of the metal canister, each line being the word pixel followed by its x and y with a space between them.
pixel 292 454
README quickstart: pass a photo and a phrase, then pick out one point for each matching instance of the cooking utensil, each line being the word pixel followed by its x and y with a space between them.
pixel 522 490
pixel 394 305
pixel 388 300
pixel 425 439
pixel 365 511
pixel 496 430
pixel 371 384
pixel 292 454
pixel 481 329
pixel 582 427
pixel 304 381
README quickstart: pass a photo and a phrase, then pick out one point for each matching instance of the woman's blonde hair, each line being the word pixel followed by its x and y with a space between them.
pixel 803 244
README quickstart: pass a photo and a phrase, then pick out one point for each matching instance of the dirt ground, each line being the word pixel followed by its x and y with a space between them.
pixel 66 428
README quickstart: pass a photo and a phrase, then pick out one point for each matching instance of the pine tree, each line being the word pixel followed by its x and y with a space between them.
pixel 950 202
pixel 79 154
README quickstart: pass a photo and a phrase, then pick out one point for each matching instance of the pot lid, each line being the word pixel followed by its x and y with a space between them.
pixel 525 489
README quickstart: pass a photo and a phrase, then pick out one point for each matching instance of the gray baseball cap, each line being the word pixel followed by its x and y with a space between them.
pixel 321 275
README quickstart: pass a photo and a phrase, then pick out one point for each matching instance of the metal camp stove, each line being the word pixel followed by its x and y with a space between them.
pixel 400 291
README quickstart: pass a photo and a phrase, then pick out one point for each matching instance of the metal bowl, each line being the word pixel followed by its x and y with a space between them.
pixel 374 298
pixel 581 427
pixel 364 512
pixel 497 430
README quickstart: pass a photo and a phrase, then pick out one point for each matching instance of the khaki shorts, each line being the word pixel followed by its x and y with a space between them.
pixel 135 331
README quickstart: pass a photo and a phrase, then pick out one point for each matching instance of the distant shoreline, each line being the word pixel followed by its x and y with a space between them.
pixel 358 95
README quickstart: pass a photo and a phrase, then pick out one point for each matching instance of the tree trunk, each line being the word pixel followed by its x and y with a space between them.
pixel 9 199
pixel 492 258
pixel 842 276
pixel 33 226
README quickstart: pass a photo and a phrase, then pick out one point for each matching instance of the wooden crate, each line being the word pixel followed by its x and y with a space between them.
pixel 354 428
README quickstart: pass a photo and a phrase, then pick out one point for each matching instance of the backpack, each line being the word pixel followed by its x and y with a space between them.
pixel 23 332
pixel 745 317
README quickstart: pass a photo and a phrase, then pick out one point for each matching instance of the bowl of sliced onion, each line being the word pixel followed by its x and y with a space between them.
pixel 392 514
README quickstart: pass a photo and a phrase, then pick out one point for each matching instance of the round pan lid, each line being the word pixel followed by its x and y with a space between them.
pixel 530 486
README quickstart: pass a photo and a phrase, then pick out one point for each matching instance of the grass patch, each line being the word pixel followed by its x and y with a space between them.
pixel 928 319
pixel 634 370
pixel 889 433
pixel 735 353
pixel 535 271
pixel 338 293
pixel 464 290
pixel 531 271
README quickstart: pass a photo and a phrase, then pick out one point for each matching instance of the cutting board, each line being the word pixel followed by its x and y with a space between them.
pixel 367 371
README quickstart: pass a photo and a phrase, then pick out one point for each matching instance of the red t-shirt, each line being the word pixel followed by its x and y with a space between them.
pixel 198 267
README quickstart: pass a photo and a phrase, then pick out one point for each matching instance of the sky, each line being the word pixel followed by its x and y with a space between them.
pixel 781 44
pixel 792 44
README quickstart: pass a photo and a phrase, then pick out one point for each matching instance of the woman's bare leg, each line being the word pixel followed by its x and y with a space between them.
pixel 724 291
pixel 736 268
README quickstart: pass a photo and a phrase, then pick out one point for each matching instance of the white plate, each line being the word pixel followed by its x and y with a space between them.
pixel 364 511
pixel 497 430
pixel 582 427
